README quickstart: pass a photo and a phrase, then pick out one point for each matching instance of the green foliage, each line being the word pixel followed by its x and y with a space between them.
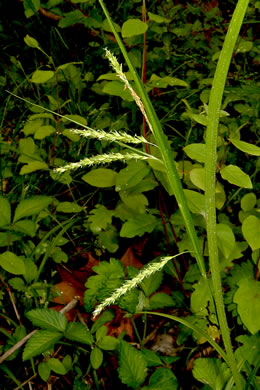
pixel 56 201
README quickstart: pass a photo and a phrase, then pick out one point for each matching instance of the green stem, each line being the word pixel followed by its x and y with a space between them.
pixel 162 143
pixel 215 100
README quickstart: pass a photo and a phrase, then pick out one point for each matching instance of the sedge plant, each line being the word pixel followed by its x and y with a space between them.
pixel 216 94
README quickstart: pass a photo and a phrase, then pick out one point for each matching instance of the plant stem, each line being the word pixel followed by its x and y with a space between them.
pixel 215 100
pixel 162 143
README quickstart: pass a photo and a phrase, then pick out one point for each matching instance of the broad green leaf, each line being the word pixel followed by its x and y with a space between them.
pixel 251 231
pixel 31 206
pixel 71 18
pixel 138 226
pixel 40 342
pixel 225 239
pixel 248 201
pixel 164 82
pixel 236 176
pixel 33 166
pixel 17 284
pixel 5 210
pixel 56 366
pixel 212 372
pixel 152 283
pixel 254 150
pixel 196 202
pixel 106 26
pixel 44 371
pixel 247 298
pixel 200 297
pixel 76 331
pixel 113 76
pixel 151 358
pixel 27 145
pixel 77 118
pixel 244 46
pixel 96 358
pixel 130 300
pixel 108 343
pixel 67 362
pixel 161 300
pixel 30 270
pixel 101 177
pixel 249 350
pixel 105 317
pixel 44 131
pixel 196 152
pixel 133 27
pixel 157 18
pixel 162 379
pixel 132 366
pixel 131 175
pixel 42 76
pixel 47 319
pixel 109 239
pixel 25 226
pixel 135 201
pixel 12 263
pixel 31 42
pixel 100 218
pixel 201 119
pixel 197 177
pixel 116 88
pixel 68 207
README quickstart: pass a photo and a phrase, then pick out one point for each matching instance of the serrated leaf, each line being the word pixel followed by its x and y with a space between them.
pixel 236 176
pixel 44 371
pixel 17 284
pixel 132 366
pixel 196 152
pixel 96 358
pixel 254 150
pixel 31 206
pixel 138 226
pixel 163 378
pixel 109 239
pixel 69 207
pixel 133 27
pixel 152 283
pixel 161 300
pixel 247 298
pixel 151 358
pixel 101 177
pixel 56 366
pixel 225 239
pixel 40 342
pixel 76 331
pixel 251 231
pixel 33 166
pixel 211 372
pixel 12 263
pixel 42 76
pixel 249 350
pixel 5 210
pixel 47 319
